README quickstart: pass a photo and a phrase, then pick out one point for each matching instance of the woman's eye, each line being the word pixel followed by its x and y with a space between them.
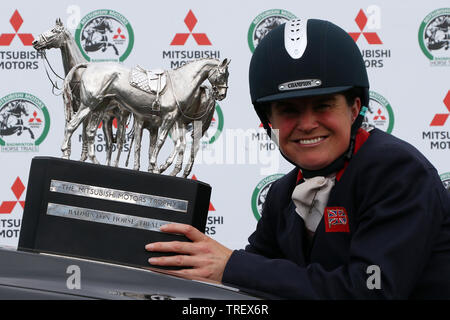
pixel 288 110
pixel 322 106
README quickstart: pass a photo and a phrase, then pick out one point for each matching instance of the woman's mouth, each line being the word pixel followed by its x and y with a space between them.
pixel 311 141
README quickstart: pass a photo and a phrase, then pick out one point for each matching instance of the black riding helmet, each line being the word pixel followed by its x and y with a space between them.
pixel 307 57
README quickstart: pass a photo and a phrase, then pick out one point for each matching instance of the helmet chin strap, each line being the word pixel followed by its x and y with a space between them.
pixel 338 163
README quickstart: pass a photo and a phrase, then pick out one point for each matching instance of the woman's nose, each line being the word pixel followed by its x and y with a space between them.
pixel 307 121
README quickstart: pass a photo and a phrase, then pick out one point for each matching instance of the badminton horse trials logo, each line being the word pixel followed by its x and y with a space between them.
pixel 379 114
pixel 265 22
pixel 445 178
pixel 434 37
pixel 260 193
pixel 24 122
pixel 104 35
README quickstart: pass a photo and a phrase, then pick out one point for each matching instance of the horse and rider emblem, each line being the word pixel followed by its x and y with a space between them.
pixel 12 119
pixel 24 122
pixel 104 35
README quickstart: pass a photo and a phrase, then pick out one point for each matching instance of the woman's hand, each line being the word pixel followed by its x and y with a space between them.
pixel 206 256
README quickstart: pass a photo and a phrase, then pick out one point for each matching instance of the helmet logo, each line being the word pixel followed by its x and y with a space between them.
pixel 300 84
pixel 295 37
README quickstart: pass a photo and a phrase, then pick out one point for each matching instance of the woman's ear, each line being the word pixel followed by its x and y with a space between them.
pixel 355 108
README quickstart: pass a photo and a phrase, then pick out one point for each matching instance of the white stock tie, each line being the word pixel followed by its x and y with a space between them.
pixel 310 199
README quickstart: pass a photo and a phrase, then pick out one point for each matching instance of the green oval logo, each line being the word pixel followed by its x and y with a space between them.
pixel 24 122
pixel 434 37
pixel 445 178
pixel 260 193
pixel 379 114
pixel 265 22
pixel 104 35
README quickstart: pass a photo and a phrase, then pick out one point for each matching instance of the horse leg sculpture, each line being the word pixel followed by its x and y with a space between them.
pixel 84 146
pixel 107 131
pixel 165 126
pixel 138 126
pixel 120 134
pixel 90 133
pixel 175 135
pixel 71 127
pixel 153 132
pixel 181 143
pixel 197 134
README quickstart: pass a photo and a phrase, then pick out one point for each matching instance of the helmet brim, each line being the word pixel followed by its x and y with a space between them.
pixel 302 93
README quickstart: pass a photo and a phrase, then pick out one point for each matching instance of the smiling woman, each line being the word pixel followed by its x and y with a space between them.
pixel 314 131
pixel 356 201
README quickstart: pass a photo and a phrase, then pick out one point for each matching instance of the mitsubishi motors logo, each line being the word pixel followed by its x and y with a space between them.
pixel 438 137
pixel 181 51
pixel 181 38
pixel 369 22
pixel 16 22
pixel 440 118
pixel 6 207
pixel 371 37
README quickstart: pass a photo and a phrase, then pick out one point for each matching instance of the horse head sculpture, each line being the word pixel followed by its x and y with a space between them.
pixel 53 38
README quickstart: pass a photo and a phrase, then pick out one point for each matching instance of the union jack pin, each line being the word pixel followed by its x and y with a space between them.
pixel 336 219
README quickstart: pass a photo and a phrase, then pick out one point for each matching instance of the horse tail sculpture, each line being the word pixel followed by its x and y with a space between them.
pixel 67 91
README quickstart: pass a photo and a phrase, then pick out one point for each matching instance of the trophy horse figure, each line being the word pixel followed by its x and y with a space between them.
pixel 101 83
pixel 59 37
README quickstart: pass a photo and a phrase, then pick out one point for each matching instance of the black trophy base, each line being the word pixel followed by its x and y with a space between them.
pixel 105 213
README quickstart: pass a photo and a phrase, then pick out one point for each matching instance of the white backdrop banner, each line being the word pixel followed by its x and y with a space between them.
pixel 405 46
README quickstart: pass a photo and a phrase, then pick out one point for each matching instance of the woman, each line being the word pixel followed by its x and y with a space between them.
pixel 362 214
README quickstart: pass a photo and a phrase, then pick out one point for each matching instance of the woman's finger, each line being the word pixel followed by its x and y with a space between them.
pixel 189 231
pixel 172 246
pixel 174 261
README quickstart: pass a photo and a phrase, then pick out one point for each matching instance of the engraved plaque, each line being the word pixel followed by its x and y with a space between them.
pixel 106 213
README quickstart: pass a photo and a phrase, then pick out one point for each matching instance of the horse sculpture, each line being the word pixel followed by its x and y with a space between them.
pixel 59 37
pixel 102 82
pixel 199 116
pixel 11 119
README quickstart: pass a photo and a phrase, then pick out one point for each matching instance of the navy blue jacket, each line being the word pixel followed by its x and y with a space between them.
pixel 398 219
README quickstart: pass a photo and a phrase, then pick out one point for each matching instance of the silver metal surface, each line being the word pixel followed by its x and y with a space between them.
pixel 300 84
pixel 160 101
pixel 60 38
pixel 141 199
pixel 117 219
pixel 179 101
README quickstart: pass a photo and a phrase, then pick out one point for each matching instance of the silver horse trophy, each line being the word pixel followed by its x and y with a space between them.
pixel 60 38
pixel 180 99
pixel 156 114
pixel 107 213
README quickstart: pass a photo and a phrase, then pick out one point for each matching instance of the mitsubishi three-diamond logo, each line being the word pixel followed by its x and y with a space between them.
pixel 16 22
pixel 440 118
pixel 181 38
pixel 6 207
pixel 361 21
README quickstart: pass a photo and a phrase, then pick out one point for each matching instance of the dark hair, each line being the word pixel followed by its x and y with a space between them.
pixel 353 93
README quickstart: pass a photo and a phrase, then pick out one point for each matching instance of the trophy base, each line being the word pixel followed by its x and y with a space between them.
pixel 106 213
